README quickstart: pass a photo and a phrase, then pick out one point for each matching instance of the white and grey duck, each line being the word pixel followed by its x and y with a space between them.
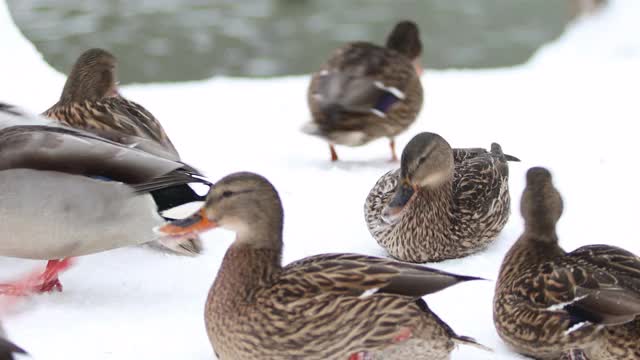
pixel 365 91
pixel 551 304
pixel 328 307
pixel 91 101
pixel 442 203
pixel 67 192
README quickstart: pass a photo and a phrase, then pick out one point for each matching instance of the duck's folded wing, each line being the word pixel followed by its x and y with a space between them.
pixel 595 285
pixel 362 275
pixel 340 92
pixel 77 152
pixel 130 118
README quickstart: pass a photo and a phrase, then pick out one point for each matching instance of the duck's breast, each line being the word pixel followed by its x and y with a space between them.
pixel 50 215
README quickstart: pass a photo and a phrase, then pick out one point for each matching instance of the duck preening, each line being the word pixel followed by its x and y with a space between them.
pixel 91 101
pixel 552 304
pixel 365 91
pixel 330 307
pixel 442 203
pixel 68 192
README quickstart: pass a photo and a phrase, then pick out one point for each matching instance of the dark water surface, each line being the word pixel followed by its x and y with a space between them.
pixel 172 40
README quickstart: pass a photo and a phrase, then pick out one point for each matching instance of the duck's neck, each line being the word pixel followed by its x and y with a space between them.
pixel 247 268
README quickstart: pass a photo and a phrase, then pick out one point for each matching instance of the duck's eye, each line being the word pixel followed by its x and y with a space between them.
pixel 227 194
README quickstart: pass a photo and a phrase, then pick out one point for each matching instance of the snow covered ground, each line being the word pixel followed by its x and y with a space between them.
pixel 573 108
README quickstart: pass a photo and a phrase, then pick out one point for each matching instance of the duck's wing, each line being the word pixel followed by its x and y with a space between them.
pixel 362 275
pixel 359 79
pixel 119 120
pixel 460 155
pixel 597 284
pixel 76 152
pixel 480 181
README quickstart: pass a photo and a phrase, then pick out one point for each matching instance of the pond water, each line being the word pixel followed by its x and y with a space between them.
pixel 177 40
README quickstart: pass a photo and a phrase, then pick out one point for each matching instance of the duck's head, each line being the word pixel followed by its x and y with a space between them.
pixel 93 77
pixel 405 39
pixel 426 163
pixel 245 203
pixel 541 204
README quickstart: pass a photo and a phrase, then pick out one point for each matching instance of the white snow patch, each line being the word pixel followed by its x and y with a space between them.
pixel 573 109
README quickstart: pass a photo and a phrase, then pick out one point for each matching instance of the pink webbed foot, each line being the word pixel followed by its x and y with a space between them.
pixel 46 281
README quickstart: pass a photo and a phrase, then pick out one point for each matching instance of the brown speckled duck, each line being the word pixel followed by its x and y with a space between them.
pixel 365 91
pixel 550 304
pixel 324 307
pixel 442 203
pixel 91 101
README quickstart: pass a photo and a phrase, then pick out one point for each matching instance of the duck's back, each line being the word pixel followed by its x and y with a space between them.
pixel 481 195
pixel 112 117
pixel 367 88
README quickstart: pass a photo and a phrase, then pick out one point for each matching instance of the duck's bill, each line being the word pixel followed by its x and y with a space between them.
pixel 194 224
pixel 398 203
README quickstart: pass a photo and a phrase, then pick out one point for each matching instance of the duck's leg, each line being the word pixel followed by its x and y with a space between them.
pixel 392 145
pixel 50 281
pixel 334 154
pixel 38 282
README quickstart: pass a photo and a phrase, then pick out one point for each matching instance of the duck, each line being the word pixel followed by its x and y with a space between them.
pixel 366 91
pixel 329 306
pixel 442 203
pixel 91 101
pixel 553 304
pixel 67 192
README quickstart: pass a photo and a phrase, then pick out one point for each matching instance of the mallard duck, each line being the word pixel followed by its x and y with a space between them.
pixel 442 203
pixel 365 91
pixel 91 101
pixel 67 192
pixel 551 304
pixel 332 306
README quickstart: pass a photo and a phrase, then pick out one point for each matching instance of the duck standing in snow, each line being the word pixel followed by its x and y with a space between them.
pixel 91 101
pixel 324 307
pixel 442 203
pixel 365 91
pixel 551 304
pixel 67 192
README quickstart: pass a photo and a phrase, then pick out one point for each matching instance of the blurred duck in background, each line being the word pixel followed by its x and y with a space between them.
pixel 365 91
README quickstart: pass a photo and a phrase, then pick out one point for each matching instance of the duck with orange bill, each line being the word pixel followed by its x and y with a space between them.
pixel 340 306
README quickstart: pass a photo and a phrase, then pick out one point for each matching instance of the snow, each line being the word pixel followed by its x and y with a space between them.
pixel 572 108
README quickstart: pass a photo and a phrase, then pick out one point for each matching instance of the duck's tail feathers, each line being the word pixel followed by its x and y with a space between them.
pixel 466 340
pixel 496 149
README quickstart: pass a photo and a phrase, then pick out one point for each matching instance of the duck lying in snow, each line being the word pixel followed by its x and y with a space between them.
pixel 551 304
pixel 442 203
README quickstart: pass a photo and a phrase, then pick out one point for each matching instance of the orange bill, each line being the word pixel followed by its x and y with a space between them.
pixel 194 224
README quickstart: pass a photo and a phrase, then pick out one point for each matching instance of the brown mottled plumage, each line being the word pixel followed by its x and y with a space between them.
pixel 365 91
pixel 90 101
pixel 442 203
pixel 329 307
pixel 550 304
